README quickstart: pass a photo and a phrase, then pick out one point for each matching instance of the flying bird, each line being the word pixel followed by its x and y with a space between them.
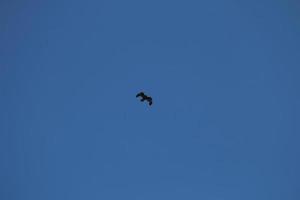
pixel 144 97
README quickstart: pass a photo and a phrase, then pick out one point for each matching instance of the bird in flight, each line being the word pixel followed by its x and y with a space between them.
pixel 145 97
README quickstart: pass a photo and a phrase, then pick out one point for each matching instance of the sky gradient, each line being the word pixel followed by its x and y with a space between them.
pixel 224 77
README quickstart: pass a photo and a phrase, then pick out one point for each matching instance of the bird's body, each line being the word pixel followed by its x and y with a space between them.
pixel 144 97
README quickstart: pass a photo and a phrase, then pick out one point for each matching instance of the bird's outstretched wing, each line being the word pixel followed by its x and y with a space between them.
pixel 149 99
pixel 140 94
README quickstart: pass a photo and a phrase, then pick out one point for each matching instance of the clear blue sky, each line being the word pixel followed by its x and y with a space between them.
pixel 224 76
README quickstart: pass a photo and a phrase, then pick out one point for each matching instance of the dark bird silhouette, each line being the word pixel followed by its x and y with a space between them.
pixel 144 97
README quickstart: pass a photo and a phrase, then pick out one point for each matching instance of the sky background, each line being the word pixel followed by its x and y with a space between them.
pixel 224 77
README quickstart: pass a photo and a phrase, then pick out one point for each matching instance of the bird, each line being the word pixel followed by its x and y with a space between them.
pixel 145 97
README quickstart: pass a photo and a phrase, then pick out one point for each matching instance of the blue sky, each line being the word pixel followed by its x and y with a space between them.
pixel 224 76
